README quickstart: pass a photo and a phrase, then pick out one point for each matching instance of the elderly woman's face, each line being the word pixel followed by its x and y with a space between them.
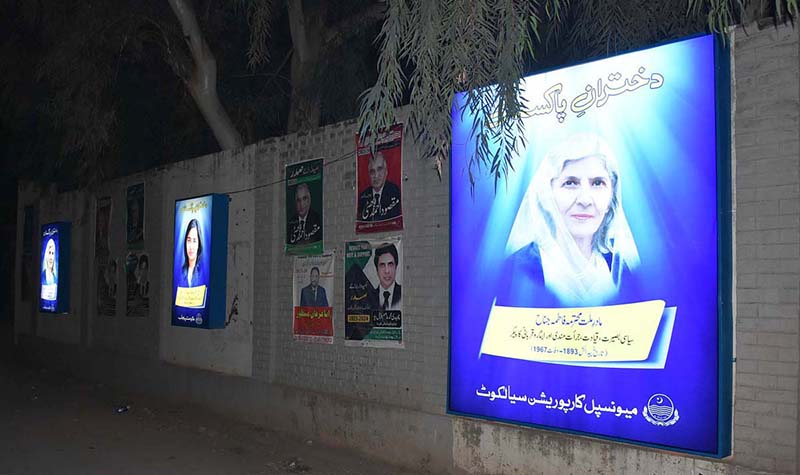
pixel 582 194
pixel 50 255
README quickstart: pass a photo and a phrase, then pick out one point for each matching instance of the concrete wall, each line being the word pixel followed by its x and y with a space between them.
pixel 767 121
pixel 391 404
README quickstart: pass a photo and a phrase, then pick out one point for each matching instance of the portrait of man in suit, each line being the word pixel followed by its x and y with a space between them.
pixel 305 226
pixel 380 200
pixel 313 295
pixel 388 295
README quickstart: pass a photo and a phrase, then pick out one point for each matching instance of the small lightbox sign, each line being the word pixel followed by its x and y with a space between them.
pixel 200 262
pixel 54 268
pixel 590 292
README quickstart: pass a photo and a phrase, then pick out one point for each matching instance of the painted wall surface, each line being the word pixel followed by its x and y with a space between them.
pixel 376 400
pixel 226 350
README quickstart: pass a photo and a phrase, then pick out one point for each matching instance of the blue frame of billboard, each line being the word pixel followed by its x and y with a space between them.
pixel 64 252
pixel 725 266
pixel 217 286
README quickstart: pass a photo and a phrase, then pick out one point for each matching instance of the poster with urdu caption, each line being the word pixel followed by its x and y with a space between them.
pixel 373 293
pixel 313 299
pixel 380 174
pixel 304 207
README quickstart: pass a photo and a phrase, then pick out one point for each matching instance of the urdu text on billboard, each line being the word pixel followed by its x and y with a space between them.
pixel 586 288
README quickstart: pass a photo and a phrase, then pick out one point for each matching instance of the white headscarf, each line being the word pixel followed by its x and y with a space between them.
pixel 573 278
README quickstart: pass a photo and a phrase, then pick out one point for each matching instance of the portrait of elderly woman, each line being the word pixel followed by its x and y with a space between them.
pixel 192 269
pixel 570 243
pixel 49 272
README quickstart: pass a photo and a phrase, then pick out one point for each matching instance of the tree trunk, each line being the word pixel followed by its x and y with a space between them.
pixel 306 23
pixel 202 83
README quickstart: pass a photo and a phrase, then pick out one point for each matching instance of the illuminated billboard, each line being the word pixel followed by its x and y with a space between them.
pixel 54 268
pixel 590 290
pixel 200 262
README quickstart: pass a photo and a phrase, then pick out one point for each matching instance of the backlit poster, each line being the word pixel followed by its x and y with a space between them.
pixel 312 318
pixel 373 292
pixel 199 265
pixel 54 283
pixel 586 286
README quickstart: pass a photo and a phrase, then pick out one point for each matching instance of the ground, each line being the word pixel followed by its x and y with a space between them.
pixel 52 423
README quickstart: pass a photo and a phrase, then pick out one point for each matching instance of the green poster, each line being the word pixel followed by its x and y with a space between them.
pixel 373 293
pixel 304 207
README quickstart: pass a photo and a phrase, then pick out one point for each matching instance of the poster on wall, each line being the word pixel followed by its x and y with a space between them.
pixel 135 216
pixel 312 319
pixel 379 176
pixel 200 262
pixel 585 289
pixel 304 207
pixel 373 293
pixel 27 254
pixel 106 272
pixel 137 284
pixel 54 283
pixel 102 222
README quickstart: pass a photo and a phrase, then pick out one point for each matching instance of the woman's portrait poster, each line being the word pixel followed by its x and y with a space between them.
pixel 135 216
pixel 584 284
pixel 191 261
pixel 49 269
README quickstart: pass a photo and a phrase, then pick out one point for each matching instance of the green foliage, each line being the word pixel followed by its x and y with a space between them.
pixel 452 45
pixel 485 47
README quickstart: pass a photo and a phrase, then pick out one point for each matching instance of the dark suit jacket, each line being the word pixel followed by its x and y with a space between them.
pixel 388 208
pixel 307 297
pixel 377 301
pixel 312 232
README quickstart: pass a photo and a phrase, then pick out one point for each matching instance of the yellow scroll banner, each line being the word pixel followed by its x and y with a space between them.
pixel 581 334
pixel 191 297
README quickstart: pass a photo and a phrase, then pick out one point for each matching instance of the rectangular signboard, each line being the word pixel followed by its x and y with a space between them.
pixel 373 293
pixel 200 262
pixel 304 209
pixel 590 290
pixel 55 260
pixel 312 283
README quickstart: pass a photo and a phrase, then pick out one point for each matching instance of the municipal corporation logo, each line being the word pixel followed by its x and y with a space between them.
pixel 660 411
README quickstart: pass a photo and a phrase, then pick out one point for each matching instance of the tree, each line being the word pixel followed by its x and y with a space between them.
pixel 485 47
pixel 119 84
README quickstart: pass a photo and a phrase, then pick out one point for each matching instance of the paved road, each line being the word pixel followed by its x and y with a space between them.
pixel 54 424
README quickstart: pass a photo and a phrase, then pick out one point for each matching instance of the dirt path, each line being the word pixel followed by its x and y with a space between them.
pixel 53 424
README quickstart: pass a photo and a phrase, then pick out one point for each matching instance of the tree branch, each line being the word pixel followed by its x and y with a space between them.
pixel 340 32
pixel 203 82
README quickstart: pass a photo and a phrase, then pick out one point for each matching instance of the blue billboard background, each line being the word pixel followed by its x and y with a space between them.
pixel 194 213
pixel 48 298
pixel 656 109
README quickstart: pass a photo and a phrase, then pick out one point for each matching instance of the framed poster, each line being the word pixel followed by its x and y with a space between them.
pixel 590 292
pixel 200 262
pixel 54 269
